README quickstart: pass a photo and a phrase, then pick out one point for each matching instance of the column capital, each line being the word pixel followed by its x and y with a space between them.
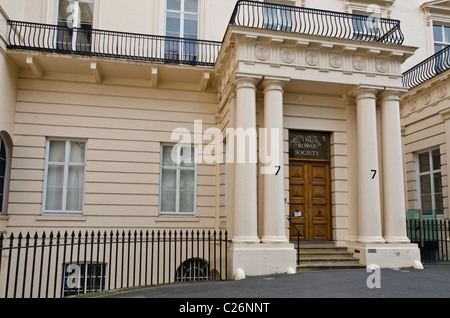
pixel 365 92
pixel 246 81
pixel 274 83
pixel 391 94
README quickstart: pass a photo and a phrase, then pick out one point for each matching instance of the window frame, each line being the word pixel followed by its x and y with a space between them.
pixel 74 45
pixel 182 12
pixel 83 277
pixel 442 27
pixel 175 50
pixel 7 158
pixel 178 168
pixel 66 164
pixel 430 173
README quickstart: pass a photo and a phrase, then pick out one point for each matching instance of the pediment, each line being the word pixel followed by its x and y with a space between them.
pixel 380 6
pixel 436 10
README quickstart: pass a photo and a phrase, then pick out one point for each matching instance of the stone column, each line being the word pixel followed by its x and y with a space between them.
pixel 369 204
pixel 274 228
pixel 245 196
pixel 394 209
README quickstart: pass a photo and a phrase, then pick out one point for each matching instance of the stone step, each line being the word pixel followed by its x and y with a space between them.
pixel 329 260
pixel 325 256
pixel 325 266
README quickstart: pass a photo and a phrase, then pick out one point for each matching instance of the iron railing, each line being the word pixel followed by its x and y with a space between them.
pixel 432 237
pixel 61 265
pixel 298 239
pixel 112 44
pixel 282 17
pixel 427 69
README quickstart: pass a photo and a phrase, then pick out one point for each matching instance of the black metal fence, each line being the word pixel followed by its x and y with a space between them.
pixel 61 265
pixel 316 22
pixel 432 236
pixel 112 44
pixel 427 69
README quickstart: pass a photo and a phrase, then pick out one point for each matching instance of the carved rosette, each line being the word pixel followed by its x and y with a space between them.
pixel 336 61
pixel 262 53
pixel 312 59
pixel 442 91
pixel 358 63
pixel 287 56
pixel 381 66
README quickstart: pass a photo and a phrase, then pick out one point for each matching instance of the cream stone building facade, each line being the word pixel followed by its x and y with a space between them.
pixel 88 112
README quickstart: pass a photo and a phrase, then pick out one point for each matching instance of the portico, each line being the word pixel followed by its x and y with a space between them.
pixel 273 83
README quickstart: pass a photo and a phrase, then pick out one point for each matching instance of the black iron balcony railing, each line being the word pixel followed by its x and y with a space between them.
pixel 281 17
pixel 427 69
pixel 112 44
pixel 64 264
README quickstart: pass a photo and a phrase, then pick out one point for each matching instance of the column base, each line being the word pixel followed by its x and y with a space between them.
pixel 246 240
pixel 274 239
pixel 370 239
pixel 397 239
pixel 262 259
pixel 387 255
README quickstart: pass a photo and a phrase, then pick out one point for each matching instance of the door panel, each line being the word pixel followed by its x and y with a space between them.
pixel 309 193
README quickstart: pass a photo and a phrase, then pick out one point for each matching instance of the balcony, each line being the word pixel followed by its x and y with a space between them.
pixel 111 44
pixel 302 20
pixel 172 50
pixel 427 69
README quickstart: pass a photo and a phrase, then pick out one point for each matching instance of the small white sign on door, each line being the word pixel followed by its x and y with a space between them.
pixel 297 214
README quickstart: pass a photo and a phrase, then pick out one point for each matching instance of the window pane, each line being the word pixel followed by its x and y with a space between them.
pixel 173 24
pixel 86 13
pixel 2 167
pixel 436 159
pixel 426 204
pixel 169 156
pixel 57 151
pixel 437 31
pixel 437 48
pixel 447 34
pixel 65 10
pixel 187 190
pixel 77 152
pixel 439 203
pixel 75 185
pixel 437 182
pixel 2 150
pixel 55 177
pixel 168 190
pixel 174 4
pixel 425 185
pixel 424 162
pixel 191 5
pixel 190 26
pixel 187 156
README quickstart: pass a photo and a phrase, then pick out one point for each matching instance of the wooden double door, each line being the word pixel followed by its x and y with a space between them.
pixel 309 200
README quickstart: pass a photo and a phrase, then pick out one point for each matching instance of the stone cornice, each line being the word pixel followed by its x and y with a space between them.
pixel 317 58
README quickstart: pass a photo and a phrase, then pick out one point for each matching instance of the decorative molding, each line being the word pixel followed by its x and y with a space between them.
pixel 262 53
pixel 359 63
pixel 381 7
pixel 336 60
pixel 312 58
pixel 287 56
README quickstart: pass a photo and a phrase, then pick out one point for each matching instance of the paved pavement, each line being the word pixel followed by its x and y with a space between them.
pixel 431 282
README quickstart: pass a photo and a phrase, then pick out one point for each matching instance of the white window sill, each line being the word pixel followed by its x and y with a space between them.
pixel 60 217
pixel 177 218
